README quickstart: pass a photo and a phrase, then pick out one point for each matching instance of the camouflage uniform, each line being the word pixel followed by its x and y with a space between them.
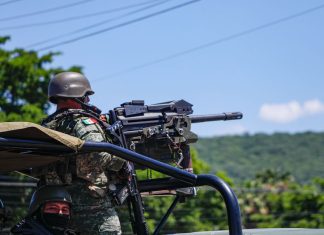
pixel 29 226
pixel 87 176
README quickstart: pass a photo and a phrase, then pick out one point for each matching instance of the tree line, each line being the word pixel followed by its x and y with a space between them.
pixel 242 157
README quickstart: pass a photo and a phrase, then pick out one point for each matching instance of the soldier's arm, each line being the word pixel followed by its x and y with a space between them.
pixel 87 129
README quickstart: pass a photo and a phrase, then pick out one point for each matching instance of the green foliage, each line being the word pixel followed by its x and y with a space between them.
pixel 276 200
pixel 271 200
pixel 24 78
pixel 200 166
pixel 242 157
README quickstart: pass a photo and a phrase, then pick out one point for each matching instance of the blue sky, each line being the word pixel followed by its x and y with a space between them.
pixel 272 73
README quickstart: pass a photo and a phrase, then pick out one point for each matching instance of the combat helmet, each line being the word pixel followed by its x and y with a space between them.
pixel 48 193
pixel 68 85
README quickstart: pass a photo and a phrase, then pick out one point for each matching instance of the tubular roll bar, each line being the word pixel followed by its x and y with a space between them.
pixel 184 178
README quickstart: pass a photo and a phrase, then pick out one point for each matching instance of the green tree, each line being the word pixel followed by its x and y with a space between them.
pixel 274 199
pixel 24 78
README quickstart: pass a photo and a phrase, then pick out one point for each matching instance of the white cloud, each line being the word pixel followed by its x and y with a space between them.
pixel 313 107
pixel 287 112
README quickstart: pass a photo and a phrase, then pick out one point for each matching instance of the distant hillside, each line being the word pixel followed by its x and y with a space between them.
pixel 242 157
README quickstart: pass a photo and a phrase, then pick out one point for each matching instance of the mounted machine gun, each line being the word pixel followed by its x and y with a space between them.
pixel 161 131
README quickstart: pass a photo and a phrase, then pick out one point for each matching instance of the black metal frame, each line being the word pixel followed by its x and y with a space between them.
pixel 180 178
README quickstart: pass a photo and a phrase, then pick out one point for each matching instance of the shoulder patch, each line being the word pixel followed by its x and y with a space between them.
pixel 89 121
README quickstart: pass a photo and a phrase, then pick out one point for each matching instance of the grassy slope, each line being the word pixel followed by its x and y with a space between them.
pixel 243 156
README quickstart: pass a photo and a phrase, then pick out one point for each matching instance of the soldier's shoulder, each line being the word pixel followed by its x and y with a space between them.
pixel 63 121
pixel 89 128
pixel 87 123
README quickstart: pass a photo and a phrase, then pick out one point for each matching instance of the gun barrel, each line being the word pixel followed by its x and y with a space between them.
pixel 216 117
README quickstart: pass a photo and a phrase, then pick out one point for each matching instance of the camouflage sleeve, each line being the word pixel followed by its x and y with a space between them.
pixel 93 132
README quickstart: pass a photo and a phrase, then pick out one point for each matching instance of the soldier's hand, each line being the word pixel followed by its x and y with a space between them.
pixel 126 171
pixel 103 117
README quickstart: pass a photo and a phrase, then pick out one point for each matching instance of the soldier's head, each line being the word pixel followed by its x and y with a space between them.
pixel 51 206
pixel 69 87
pixel 2 215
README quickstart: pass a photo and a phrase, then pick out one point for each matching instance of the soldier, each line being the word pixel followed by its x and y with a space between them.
pixel 49 213
pixel 86 175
